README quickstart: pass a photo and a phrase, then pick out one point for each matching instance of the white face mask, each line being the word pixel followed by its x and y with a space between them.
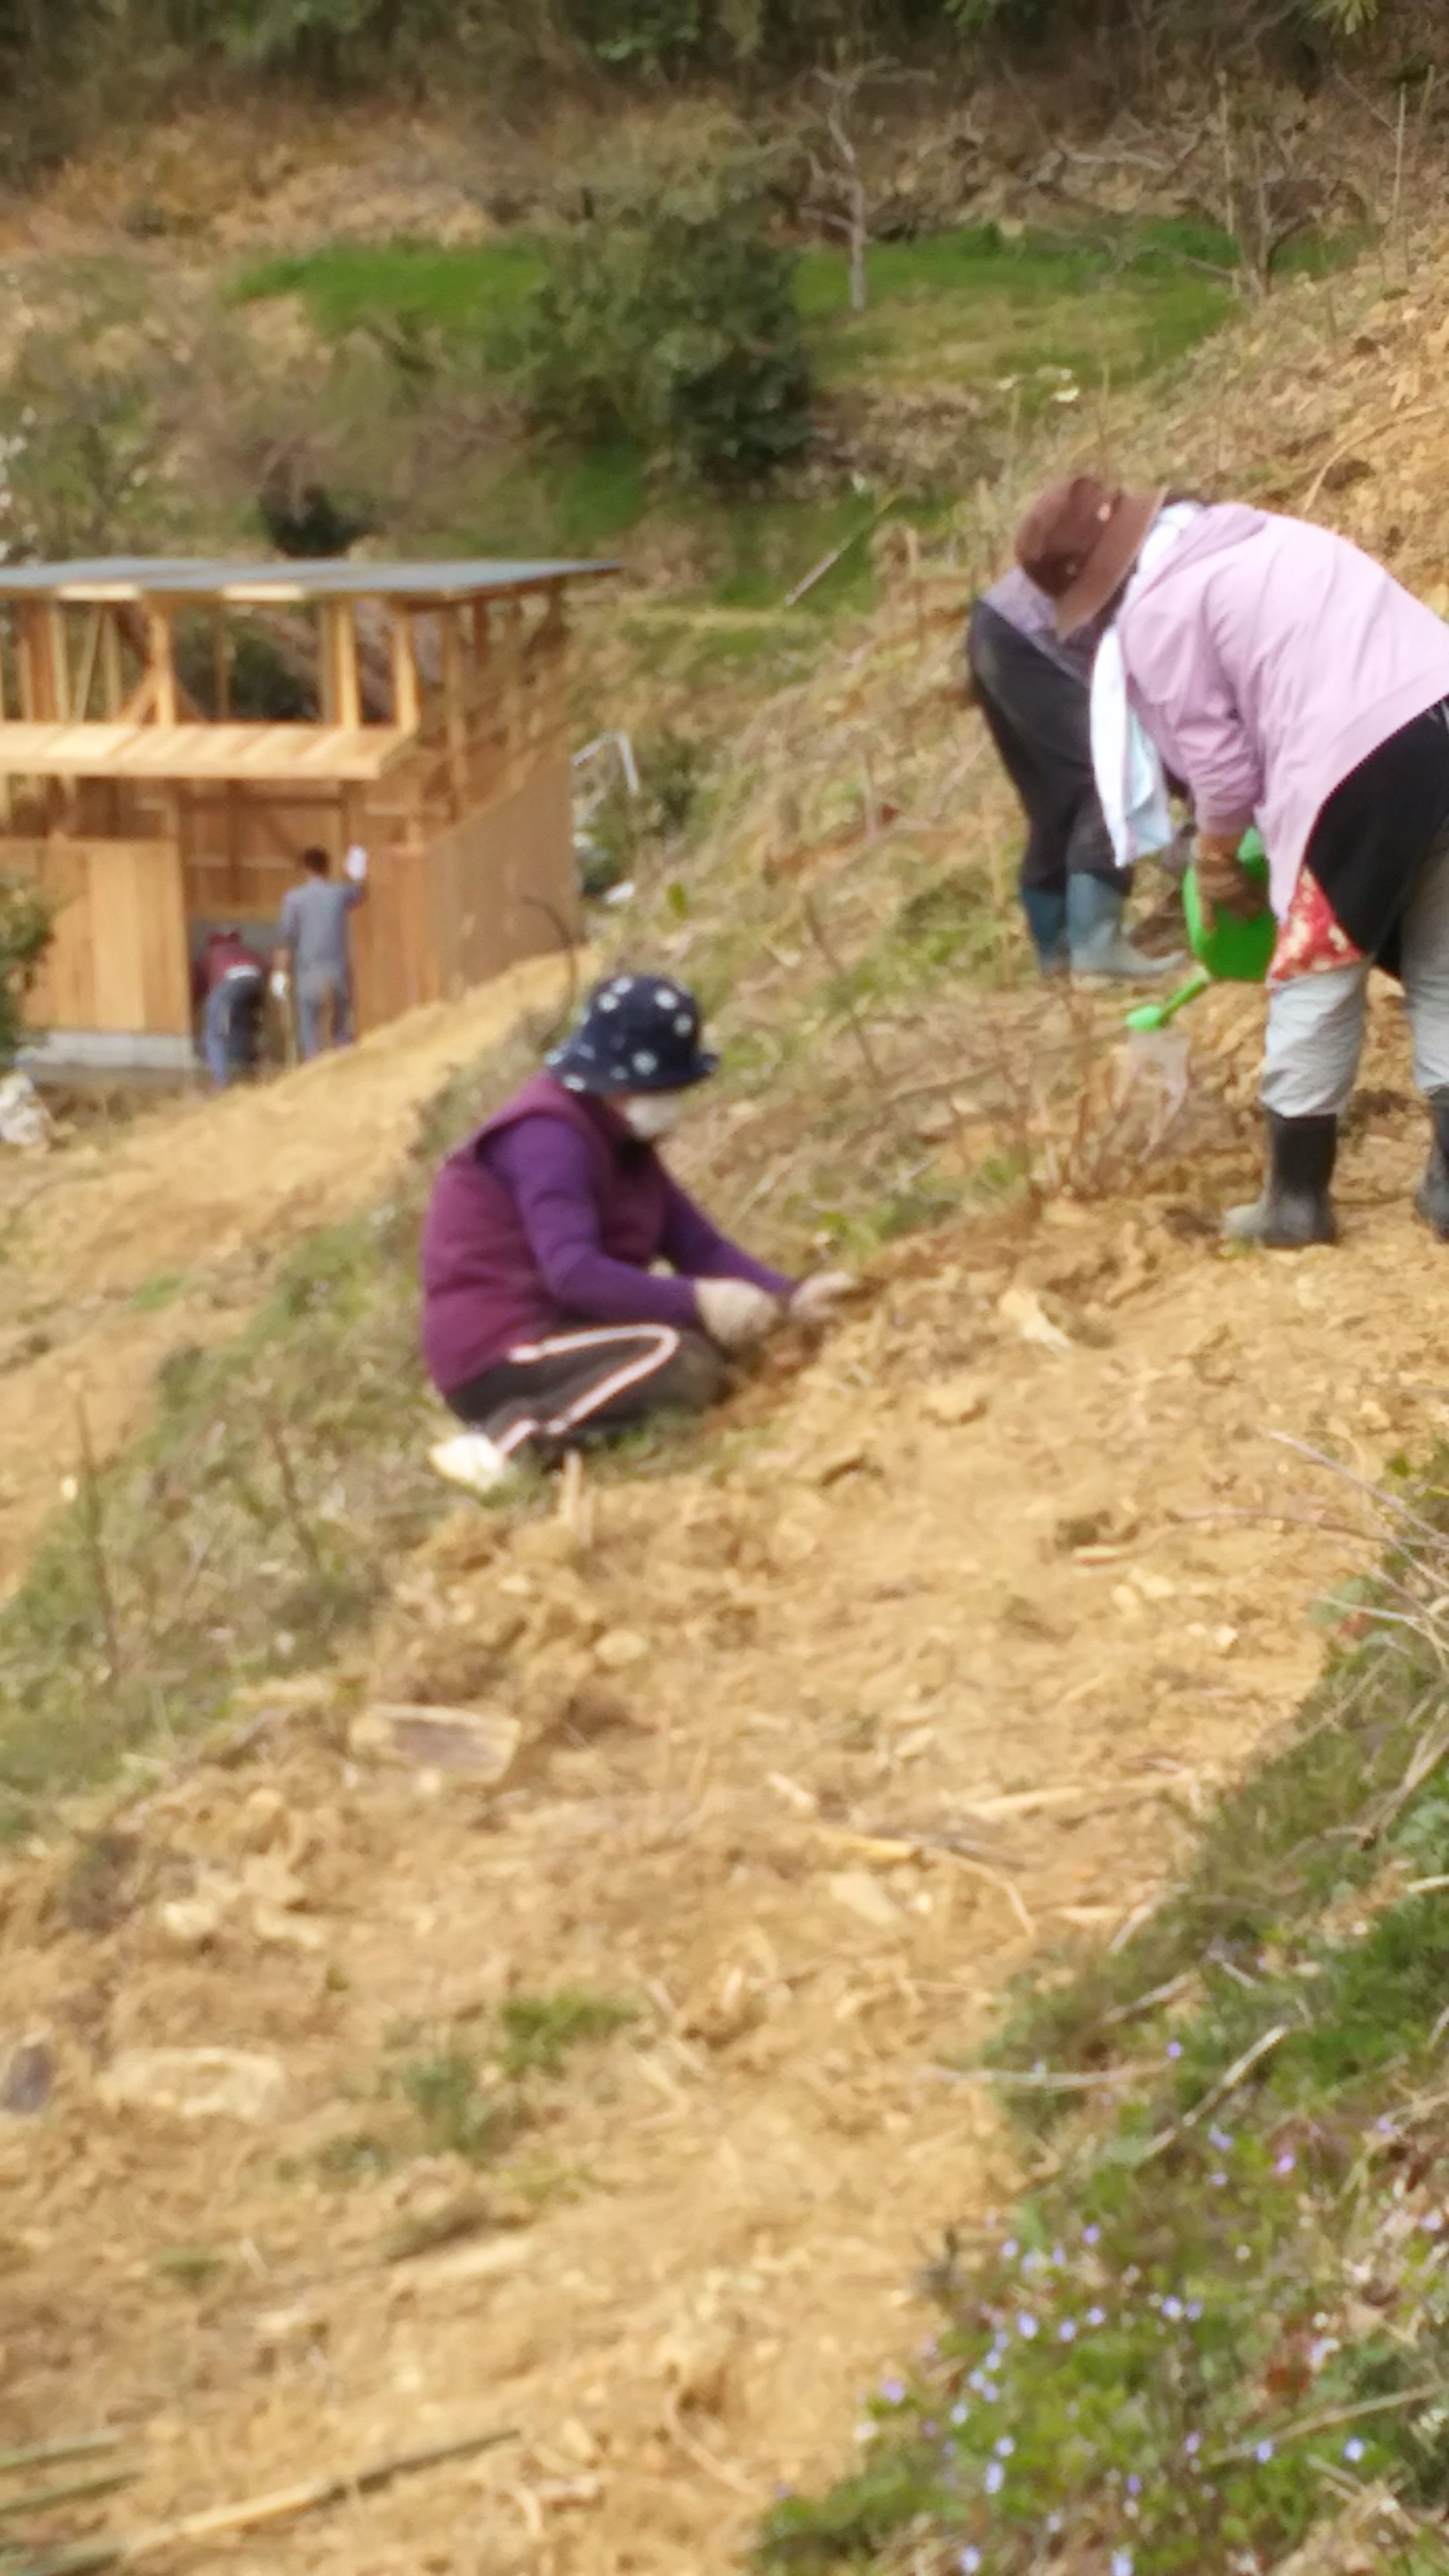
pixel 651 1114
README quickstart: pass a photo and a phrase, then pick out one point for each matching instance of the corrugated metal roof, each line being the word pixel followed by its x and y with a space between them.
pixel 128 577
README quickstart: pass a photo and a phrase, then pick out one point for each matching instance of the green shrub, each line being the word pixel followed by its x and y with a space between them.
pixel 25 924
pixel 668 320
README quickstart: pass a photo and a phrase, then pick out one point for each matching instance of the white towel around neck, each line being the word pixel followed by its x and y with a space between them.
pixel 1129 774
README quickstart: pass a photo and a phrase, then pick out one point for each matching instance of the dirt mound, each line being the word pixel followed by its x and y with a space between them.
pixel 121 1251
pixel 935 1660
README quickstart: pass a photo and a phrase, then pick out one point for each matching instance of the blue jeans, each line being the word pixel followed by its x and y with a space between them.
pixel 218 1025
pixel 324 1011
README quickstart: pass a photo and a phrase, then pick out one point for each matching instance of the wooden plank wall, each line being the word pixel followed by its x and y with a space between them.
pixel 118 955
pixel 502 883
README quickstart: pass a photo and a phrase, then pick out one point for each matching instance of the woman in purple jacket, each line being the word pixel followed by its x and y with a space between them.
pixel 1291 682
pixel 544 1321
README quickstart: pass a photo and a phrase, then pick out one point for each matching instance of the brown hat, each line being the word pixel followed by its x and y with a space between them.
pixel 1080 541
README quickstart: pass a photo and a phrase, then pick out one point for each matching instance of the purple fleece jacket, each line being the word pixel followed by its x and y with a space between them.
pixel 549 1218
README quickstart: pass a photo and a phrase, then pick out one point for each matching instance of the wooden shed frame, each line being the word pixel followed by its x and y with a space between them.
pixel 150 817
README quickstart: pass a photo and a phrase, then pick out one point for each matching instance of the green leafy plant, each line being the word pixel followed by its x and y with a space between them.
pixel 25 929
pixel 668 319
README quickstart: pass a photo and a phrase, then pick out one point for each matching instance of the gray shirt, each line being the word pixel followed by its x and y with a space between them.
pixel 314 924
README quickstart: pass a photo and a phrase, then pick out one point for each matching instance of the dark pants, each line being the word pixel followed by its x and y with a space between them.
pixel 554 1394
pixel 1038 718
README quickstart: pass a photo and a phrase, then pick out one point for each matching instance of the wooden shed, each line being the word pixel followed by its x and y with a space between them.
pixel 421 711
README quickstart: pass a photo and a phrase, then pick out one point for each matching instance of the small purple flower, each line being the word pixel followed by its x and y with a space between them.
pixel 1353 2449
pixel 1174 2048
pixel 977 2383
pixel 1217 2180
pixel 1193 2445
pixel 1096 2316
pixel 969 2562
pixel 1432 2222
pixel 893 2392
pixel 995 2478
pixel 1091 2236
pixel 1220 2138
pixel 930 2432
pixel 1031 2262
pixel 1005 2447
pixel 1134 2485
pixel 1028 2328
pixel 1193 2311
pixel 959 2414
pixel 1010 2249
pixel 1263 2454
pixel 1121 2562
pixel 1067 2330
pixel 1287 2162
pixel 1174 2311
pixel 1059 2256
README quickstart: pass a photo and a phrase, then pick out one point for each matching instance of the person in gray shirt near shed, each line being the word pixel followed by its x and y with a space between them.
pixel 315 944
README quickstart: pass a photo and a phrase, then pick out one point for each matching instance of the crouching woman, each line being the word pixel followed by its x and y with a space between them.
pixel 545 1321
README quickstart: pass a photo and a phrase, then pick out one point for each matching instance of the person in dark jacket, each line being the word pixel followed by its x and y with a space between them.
pixel 544 1321
pixel 1033 689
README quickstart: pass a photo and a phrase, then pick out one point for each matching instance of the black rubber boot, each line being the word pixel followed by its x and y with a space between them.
pixel 1431 1198
pixel 1295 1208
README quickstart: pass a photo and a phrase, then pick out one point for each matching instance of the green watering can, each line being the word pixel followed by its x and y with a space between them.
pixel 1232 952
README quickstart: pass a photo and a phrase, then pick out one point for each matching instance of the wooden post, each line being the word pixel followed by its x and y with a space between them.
pixel 55 645
pixel 404 670
pixel 86 680
pixel 221 665
pixel 482 636
pixel 29 664
pixel 339 663
pixel 455 716
pixel 161 654
pixel 113 683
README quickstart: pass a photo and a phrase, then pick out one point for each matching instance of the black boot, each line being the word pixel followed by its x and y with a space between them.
pixel 1431 1198
pixel 1294 1208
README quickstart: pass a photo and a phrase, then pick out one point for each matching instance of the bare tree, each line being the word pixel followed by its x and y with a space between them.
pixel 846 211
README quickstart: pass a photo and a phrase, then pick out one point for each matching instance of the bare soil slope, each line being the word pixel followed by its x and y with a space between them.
pixel 934 1660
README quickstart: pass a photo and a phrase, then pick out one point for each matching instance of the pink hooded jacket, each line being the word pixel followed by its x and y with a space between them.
pixel 1267 658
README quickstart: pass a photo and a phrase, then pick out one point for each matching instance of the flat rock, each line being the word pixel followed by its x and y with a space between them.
pixel 470 1743
pixel 27 2077
pixel 196 2083
pixel 959 1399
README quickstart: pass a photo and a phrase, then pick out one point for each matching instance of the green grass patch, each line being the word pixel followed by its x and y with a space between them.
pixel 475 294
pixel 471 2093
pixel 1224 2319
pixel 189 2267
pixel 540 2032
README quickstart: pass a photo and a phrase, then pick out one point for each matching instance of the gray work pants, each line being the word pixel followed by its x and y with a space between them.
pixel 324 1010
pixel 1316 1022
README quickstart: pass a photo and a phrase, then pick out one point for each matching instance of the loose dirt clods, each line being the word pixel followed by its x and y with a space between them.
pixel 821 1734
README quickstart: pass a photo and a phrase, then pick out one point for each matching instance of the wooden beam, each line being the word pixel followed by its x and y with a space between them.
pixel 56 648
pixel 90 650
pixel 455 714
pixel 405 706
pixel 221 666
pixel 113 684
pixel 161 655
pixel 339 662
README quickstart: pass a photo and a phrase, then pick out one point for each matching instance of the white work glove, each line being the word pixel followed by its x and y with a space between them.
pixel 816 1298
pixel 355 864
pixel 280 983
pixel 734 1312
